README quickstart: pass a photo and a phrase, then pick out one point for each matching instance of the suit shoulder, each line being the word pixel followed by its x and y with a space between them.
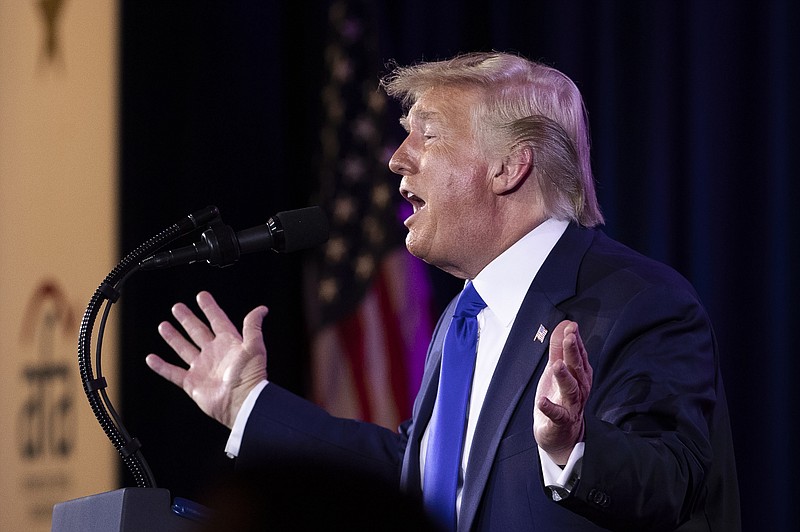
pixel 609 259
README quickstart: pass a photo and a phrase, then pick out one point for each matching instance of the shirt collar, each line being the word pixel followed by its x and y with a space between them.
pixel 504 282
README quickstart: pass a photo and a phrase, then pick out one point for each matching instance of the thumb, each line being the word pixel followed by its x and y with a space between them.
pixel 252 335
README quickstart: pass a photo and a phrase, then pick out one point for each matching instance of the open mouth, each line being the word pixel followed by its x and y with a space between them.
pixel 416 202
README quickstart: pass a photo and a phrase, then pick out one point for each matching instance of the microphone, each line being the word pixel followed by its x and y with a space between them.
pixel 220 246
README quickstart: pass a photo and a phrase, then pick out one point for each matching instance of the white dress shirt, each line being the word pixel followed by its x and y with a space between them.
pixel 502 284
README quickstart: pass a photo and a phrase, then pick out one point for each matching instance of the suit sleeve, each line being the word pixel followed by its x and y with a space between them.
pixel 649 415
pixel 284 428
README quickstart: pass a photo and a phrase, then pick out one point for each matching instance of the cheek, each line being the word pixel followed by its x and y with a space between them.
pixel 457 191
pixel 463 195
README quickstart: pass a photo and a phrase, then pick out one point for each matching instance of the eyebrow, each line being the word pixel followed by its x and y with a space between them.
pixel 420 115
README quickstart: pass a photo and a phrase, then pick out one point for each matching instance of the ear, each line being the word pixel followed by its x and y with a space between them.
pixel 513 171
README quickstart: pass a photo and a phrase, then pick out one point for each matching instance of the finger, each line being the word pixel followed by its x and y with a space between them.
pixel 252 330
pixel 196 328
pixel 555 413
pixel 172 373
pixel 587 367
pixel 572 346
pixel 576 356
pixel 557 342
pixel 567 385
pixel 219 321
pixel 183 347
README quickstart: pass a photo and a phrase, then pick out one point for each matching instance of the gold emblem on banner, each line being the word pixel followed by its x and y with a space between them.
pixel 50 11
pixel 46 418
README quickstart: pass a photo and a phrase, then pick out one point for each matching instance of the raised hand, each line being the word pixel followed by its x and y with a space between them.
pixel 562 394
pixel 223 365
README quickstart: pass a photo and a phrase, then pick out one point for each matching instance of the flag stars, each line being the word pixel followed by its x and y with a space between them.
pixel 364 129
pixel 333 106
pixel 342 69
pixel 381 196
pixel 356 193
pixel 344 209
pixel 335 249
pixel 328 290
pixel 364 267
pixel 373 231
pixel 353 169
pixel 330 142
pixel 352 29
pixel 376 102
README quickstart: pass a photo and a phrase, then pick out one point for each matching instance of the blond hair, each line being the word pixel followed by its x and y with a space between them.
pixel 525 103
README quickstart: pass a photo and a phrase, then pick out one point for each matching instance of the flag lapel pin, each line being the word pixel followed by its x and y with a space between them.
pixel 540 334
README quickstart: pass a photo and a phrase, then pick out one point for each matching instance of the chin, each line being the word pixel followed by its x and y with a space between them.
pixel 414 247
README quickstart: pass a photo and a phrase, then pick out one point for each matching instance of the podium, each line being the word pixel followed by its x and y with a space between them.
pixel 123 510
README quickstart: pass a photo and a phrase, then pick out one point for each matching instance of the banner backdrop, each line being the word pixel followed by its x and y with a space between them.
pixel 58 136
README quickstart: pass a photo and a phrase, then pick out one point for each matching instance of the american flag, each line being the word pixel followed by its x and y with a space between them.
pixel 540 334
pixel 370 298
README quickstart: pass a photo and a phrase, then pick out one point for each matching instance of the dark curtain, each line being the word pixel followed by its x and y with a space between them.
pixel 693 109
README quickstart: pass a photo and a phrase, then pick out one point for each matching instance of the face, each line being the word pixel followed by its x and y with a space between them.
pixel 447 179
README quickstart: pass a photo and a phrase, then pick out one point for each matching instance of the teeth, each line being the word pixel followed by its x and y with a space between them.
pixel 416 202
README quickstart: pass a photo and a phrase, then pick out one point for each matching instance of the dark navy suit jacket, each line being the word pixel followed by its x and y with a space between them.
pixel 658 452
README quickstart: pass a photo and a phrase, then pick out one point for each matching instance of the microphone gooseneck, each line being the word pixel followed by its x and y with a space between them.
pixel 286 231
pixel 219 245
pixel 94 385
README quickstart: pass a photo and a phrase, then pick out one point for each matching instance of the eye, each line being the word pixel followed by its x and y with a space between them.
pixel 429 133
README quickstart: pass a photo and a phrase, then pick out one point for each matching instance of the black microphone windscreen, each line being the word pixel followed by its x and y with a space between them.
pixel 303 228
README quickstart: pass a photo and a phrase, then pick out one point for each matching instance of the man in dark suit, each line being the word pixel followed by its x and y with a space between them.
pixel 622 425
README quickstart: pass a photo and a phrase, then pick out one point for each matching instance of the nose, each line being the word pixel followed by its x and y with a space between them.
pixel 403 160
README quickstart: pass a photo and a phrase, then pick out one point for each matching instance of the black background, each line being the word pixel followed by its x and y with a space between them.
pixel 693 109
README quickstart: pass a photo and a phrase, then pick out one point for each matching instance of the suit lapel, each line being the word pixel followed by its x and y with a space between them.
pixel 515 369
pixel 554 283
pixel 410 480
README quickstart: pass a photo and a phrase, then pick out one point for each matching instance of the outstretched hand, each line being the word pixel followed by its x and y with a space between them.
pixel 562 394
pixel 223 365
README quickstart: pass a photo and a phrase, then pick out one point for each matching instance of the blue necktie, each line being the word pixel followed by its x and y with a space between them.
pixel 446 441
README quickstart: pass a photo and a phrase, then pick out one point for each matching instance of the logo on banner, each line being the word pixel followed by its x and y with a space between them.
pixel 46 421
pixel 51 16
